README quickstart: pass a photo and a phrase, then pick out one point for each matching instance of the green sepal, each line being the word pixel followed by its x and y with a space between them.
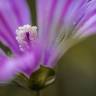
pixel 6 50
pixel 41 78
pixel 21 80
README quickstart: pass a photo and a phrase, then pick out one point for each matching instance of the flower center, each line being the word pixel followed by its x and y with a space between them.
pixel 26 36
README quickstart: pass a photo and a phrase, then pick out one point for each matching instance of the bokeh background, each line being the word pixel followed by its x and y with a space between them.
pixel 76 71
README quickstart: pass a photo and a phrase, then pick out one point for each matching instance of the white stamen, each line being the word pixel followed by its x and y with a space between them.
pixel 26 35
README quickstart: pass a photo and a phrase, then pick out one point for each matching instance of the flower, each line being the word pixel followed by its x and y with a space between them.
pixel 59 24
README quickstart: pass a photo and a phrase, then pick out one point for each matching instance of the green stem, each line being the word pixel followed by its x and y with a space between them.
pixel 38 93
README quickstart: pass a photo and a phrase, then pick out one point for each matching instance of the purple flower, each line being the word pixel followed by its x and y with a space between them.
pixel 60 23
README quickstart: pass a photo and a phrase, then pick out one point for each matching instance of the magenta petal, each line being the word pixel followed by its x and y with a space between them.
pixel 86 26
pixel 54 17
pixel 53 13
pixel 28 63
pixel 9 67
pixel 13 13
pixel 21 11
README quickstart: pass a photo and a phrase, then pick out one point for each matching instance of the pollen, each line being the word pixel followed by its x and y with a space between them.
pixel 26 36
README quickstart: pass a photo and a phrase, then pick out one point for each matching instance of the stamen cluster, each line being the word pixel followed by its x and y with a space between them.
pixel 26 36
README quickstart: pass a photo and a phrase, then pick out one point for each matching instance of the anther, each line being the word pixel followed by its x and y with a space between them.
pixel 26 36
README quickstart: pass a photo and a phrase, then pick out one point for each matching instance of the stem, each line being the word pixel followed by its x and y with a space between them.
pixel 37 93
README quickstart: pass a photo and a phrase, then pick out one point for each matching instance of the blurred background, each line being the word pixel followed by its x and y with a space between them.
pixel 76 71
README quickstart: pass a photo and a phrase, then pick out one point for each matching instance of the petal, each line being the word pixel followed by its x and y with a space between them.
pixel 86 26
pixel 53 14
pixel 9 67
pixel 13 13
pixel 55 20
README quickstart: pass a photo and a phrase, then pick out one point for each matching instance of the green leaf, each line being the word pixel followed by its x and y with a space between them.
pixel 5 49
